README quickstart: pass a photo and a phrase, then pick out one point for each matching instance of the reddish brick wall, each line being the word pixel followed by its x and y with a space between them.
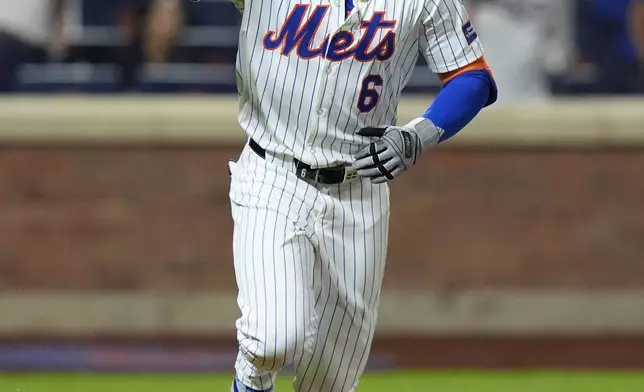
pixel 158 218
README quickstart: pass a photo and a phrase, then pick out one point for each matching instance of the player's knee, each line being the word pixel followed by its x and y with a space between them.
pixel 275 355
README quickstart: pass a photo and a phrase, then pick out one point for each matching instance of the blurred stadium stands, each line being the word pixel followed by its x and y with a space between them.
pixel 106 53
pixel 108 48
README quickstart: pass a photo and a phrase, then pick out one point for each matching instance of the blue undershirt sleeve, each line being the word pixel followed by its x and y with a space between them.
pixel 460 100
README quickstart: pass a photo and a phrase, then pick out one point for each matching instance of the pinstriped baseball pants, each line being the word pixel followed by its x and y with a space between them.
pixel 309 261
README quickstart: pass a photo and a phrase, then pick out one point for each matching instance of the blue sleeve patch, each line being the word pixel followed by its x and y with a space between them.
pixel 469 32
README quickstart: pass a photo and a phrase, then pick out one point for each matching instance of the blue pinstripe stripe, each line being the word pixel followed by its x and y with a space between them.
pixel 276 78
pixel 253 251
pixel 244 257
pixel 353 99
pixel 252 255
pixel 355 295
pixel 306 127
pixel 433 29
pixel 321 345
pixel 340 112
pixel 273 262
pixel 386 83
pixel 322 91
pixel 463 18
pixel 444 25
pixel 414 52
pixel 270 66
pixel 252 55
pixel 373 261
pixel 264 210
pixel 263 285
pixel 288 114
pixel 308 260
pixel 305 259
pixel 345 304
pixel 308 220
pixel 456 28
pixel 395 65
pixel 297 122
pixel 288 118
pixel 294 262
pixel 375 282
pixel 429 54
pixel 464 48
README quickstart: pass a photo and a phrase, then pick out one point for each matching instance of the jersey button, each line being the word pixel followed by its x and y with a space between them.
pixel 321 112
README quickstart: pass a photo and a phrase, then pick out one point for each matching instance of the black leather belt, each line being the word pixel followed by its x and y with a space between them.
pixel 326 176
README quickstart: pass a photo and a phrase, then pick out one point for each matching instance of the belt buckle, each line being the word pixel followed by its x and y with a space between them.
pixel 349 173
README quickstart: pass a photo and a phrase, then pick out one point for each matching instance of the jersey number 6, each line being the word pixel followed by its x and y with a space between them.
pixel 369 96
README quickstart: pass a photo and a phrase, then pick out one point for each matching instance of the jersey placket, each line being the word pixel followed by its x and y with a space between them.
pixel 326 91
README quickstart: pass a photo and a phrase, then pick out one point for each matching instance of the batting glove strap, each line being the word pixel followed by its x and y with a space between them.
pixel 428 133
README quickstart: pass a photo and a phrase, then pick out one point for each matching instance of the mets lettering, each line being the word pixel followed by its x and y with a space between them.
pixel 298 33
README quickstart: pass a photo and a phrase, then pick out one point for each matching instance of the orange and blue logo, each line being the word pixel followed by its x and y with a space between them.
pixel 297 34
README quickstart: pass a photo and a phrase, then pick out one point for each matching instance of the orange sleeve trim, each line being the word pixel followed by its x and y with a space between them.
pixel 477 65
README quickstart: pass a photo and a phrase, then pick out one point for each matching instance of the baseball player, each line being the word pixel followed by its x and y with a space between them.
pixel 319 83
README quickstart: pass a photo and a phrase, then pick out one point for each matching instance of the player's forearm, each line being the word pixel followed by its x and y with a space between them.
pixel 461 99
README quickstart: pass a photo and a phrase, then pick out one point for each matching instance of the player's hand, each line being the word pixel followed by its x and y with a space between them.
pixel 396 149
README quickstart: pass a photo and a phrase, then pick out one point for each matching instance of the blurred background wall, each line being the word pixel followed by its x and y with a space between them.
pixel 518 244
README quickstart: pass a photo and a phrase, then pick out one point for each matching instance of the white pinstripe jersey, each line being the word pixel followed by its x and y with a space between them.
pixel 310 74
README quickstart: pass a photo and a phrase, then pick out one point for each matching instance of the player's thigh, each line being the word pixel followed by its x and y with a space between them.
pixel 355 243
pixel 273 267
pixel 348 278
